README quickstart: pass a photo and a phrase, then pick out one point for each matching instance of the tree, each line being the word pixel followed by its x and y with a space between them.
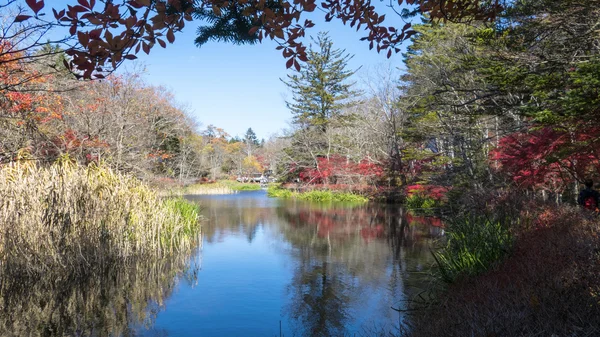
pixel 320 88
pixel 250 141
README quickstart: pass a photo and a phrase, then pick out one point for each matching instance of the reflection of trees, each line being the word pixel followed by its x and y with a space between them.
pixel 348 257
pixel 320 296
pixel 346 252
pixel 232 214
pixel 108 301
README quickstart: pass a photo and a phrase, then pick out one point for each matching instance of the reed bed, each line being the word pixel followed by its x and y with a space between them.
pixel 215 188
pixel 68 217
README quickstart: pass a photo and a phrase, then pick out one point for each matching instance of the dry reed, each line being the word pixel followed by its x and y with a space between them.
pixel 66 217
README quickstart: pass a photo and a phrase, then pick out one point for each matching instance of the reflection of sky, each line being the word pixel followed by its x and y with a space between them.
pixel 240 288
pixel 249 283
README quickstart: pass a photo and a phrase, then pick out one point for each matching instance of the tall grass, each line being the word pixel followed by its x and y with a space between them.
pixel 474 244
pixel 68 217
pixel 316 195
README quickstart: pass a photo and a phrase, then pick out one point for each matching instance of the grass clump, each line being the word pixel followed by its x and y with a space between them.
pixel 474 243
pixel 316 195
pixel 70 217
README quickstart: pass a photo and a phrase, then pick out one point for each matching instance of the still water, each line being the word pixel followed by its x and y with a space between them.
pixel 266 267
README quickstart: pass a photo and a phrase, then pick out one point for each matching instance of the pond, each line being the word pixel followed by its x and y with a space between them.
pixel 266 267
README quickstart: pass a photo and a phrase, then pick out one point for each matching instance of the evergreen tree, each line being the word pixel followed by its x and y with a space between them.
pixel 320 88
pixel 250 141
pixel 250 137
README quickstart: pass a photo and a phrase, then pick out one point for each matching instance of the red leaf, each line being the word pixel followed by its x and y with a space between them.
pixel 162 43
pixel 84 3
pixel 84 38
pixel 170 36
pixel 289 63
pixel 95 34
pixel 35 6
pixel 21 18
pixel 130 57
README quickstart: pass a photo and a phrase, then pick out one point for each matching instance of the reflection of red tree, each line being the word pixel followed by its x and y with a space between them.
pixel 369 233
pixel 425 220
pixel 341 224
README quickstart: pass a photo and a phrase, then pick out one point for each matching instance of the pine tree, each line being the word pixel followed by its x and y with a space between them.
pixel 250 141
pixel 250 137
pixel 320 88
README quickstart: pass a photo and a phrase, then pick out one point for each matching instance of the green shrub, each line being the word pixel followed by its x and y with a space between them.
pixel 474 244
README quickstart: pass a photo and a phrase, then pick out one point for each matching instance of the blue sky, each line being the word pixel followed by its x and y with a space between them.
pixel 237 87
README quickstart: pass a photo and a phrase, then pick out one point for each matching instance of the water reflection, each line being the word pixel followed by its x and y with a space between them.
pixel 351 262
pixel 318 270
pixel 111 301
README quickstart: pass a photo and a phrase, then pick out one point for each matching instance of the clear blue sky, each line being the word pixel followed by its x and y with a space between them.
pixel 237 87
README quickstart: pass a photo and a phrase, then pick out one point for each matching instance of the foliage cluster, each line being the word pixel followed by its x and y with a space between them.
pixel 425 198
pixel 67 217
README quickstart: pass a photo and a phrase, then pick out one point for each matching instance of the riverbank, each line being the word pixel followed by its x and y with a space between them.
pixel 66 217
pixel 548 285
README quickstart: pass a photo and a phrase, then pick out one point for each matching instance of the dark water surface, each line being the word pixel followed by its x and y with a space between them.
pixel 265 265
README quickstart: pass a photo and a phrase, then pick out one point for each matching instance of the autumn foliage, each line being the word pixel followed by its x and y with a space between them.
pixel 550 157
pixel 338 169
